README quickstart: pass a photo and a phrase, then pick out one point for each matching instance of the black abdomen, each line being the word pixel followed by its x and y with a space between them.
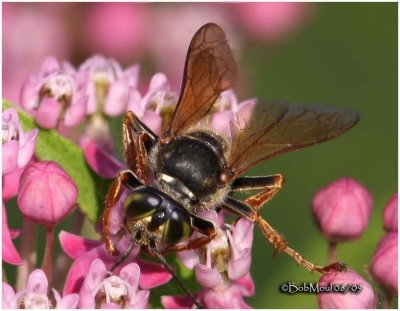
pixel 195 162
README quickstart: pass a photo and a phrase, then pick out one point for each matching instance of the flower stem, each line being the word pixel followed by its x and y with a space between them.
pixel 47 265
pixel 28 253
pixel 387 300
pixel 63 262
pixel 332 252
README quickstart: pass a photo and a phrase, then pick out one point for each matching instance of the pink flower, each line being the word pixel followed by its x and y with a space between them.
pixel 222 263
pixel 109 85
pixel 10 254
pixel 118 29
pixel 100 158
pixel 342 210
pixel 390 214
pixel 229 109
pixel 159 102
pixel 273 20
pixel 18 147
pixel 364 299
pixel 230 297
pixel 84 252
pixel 53 96
pixel 101 289
pixel 47 193
pixel 35 295
pixel 384 262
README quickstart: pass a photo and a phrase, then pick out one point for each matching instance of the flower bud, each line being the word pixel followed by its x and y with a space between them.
pixel 342 210
pixel 390 214
pixel 364 299
pixel 384 262
pixel 47 193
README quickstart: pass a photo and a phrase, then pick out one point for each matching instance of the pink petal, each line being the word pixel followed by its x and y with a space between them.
pixel 102 162
pixel 10 253
pixel 242 234
pixel 207 277
pixel 142 299
pixel 81 266
pixel 176 302
pixel 8 295
pixel 14 233
pixel 109 305
pixel 66 302
pixel 76 112
pixel 117 98
pixel 131 74
pixel 220 122
pixel 245 110
pixel 27 147
pixel 75 245
pixel 29 93
pixel 153 121
pixel 48 113
pixel 158 82
pixel 130 274
pixel 135 102
pixel 10 156
pixel 152 274
pixel 50 65
pixel 189 258
pixel 11 183
pixel 248 288
pixel 37 282
pixel 240 267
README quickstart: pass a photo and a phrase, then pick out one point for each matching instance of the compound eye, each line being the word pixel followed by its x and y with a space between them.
pixel 141 203
pixel 177 227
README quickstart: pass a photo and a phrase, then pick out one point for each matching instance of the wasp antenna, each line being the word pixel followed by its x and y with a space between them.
pixel 177 279
pixel 123 257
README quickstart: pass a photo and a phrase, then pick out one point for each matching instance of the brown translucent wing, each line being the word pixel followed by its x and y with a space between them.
pixel 209 70
pixel 276 128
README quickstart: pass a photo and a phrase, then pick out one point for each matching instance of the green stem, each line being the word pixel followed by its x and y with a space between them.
pixel 332 252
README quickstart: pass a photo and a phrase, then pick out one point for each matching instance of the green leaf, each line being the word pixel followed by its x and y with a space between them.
pixel 51 146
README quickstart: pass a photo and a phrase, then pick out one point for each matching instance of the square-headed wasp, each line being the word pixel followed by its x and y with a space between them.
pixel 190 168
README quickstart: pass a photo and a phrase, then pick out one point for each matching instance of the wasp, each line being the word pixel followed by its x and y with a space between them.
pixel 190 168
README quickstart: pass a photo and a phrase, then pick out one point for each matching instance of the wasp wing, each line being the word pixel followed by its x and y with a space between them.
pixel 209 70
pixel 276 128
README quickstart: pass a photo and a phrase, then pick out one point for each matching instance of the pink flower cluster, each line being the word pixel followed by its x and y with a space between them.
pixel 342 210
pixel 61 96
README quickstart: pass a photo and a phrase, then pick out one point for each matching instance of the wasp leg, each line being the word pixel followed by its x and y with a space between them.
pixel 201 225
pixel 127 178
pixel 269 186
pixel 137 140
pixel 153 249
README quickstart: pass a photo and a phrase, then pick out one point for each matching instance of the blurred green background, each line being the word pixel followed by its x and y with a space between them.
pixel 345 55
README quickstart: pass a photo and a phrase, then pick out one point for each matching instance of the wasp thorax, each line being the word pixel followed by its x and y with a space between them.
pixel 113 290
pixel 194 160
